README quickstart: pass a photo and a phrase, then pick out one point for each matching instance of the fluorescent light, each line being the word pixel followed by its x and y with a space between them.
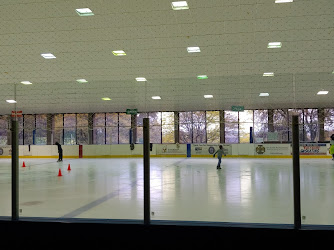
pixel 273 45
pixel 119 53
pixel 48 56
pixel 268 74
pixel 82 80
pixel 26 82
pixel 208 96
pixel 180 5
pixel 141 79
pixel 11 101
pixel 84 12
pixel 201 77
pixel 264 94
pixel 322 92
pixel 283 1
pixel 156 97
pixel 193 49
pixel 105 98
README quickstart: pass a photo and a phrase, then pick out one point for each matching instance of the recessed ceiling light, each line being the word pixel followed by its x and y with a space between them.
pixel 82 80
pixel 201 77
pixel 141 79
pixel 105 98
pixel 273 45
pixel 264 94
pixel 84 12
pixel 11 101
pixel 156 97
pixel 180 5
pixel 193 49
pixel 26 82
pixel 208 96
pixel 48 56
pixel 119 53
pixel 268 74
pixel 283 1
pixel 322 92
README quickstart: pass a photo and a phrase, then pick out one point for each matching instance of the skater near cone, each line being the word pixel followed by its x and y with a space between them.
pixel 60 152
pixel 219 153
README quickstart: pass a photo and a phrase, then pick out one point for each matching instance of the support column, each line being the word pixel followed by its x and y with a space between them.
pixel 134 128
pixel 146 151
pixel 270 120
pixel 90 128
pixel 15 170
pixel 176 127
pixel 49 119
pixel 222 126
pixel 296 172
pixel 321 123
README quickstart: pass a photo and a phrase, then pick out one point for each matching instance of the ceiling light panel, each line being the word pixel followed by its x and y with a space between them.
pixel 119 53
pixel 283 1
pixel 264 94
pixel 274 45
pixel 156 97
pixel 180 5
pixel 193 49
pixel 322 92
pixel 84 12
pixel 48 56
pixel 141 79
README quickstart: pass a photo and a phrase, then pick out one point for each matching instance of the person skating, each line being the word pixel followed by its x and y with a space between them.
pixel 60 152
pixel 219 153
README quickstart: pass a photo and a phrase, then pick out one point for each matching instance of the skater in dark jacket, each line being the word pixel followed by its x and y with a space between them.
pixel 60 152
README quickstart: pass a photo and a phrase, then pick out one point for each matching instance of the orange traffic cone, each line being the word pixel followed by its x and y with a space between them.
pixel 23 165
pixel 59 173
pixel 69 167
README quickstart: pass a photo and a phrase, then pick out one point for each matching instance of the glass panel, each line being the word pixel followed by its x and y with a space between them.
pixel 112 128
pixel 41 130
pixel 185 127
pixel 260 125
pixel 29 129
pixel 82 129
pixel 231 127
pixel 199 128
pixel 168 135
pixel 57 127
pixel 212 126
pixel 70 129
pixel 245 122
pixel 4 129
pixel 124 128
pixel 281 124
pixel 311 129
pixel 99 133
pixel 329 123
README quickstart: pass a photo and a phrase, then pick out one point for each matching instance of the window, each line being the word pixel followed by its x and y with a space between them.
pixel 167 127
pixel 212 126
pixel 124 128
pixel 70 129
pixel 82 129
pixel 57 125
pixel 260 125
pixel 3 129
pixel 245 122
pixel 185 127
pixel 112 128
pixel 99 134
pixel 329 123
pixel 41 130
pixel 231 127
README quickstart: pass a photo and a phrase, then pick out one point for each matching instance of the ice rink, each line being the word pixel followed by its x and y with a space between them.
pixel 245 190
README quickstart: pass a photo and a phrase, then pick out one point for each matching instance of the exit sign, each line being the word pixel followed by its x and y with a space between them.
pixel 238 108
pixel 131 111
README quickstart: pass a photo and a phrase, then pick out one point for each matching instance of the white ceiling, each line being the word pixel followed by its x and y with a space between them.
pixel 232 34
